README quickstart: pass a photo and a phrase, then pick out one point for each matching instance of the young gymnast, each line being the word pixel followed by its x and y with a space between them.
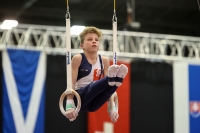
pixel 88 68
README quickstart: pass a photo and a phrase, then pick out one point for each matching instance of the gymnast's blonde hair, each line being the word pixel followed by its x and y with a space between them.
pixel 90 29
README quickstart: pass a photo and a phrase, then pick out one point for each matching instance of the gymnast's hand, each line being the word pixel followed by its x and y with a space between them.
pixel 70 110
pixel 71 115
pixel 114 116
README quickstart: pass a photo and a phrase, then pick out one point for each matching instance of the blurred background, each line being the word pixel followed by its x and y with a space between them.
pixel 158 40
pixel 180 17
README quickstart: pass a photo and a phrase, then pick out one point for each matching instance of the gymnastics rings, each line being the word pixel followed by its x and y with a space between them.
pixel 62 97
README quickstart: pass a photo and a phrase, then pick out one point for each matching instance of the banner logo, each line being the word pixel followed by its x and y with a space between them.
pixel 68 57
pixel 115 58
pixel 195 109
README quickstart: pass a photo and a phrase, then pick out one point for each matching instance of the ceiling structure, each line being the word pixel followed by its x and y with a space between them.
pixel 178 17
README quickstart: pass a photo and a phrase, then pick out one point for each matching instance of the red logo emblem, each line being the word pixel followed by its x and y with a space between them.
pixel 97 73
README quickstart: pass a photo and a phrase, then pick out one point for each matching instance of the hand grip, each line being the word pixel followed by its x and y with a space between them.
pixel 67 92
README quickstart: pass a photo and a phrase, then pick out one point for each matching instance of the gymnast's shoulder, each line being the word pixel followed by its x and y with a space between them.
pixel 77 58
pixel 105 59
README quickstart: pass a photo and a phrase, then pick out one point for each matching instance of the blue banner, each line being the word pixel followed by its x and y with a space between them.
pixel 23 91
pixel 194 98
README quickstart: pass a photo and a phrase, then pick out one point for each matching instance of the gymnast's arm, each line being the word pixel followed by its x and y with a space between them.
pixel 106 63
pixel 76 61
pixel 115 114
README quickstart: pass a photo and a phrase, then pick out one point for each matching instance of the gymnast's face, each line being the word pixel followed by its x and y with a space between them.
pixel 90 43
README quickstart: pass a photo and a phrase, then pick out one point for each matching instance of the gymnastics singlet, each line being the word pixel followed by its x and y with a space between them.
pixel 88 73
pixel 93 90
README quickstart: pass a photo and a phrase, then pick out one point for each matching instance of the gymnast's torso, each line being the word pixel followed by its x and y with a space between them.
pixel 87 72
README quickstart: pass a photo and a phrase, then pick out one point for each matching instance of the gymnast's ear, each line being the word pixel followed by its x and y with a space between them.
pixel 81 45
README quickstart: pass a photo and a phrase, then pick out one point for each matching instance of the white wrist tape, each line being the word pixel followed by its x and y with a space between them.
pixel 69 101
pixel 70 104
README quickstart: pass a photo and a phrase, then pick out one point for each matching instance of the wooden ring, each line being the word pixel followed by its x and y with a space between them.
pixel 67 92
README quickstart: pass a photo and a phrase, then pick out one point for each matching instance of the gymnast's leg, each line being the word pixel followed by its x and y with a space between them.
pixel 100 99
pixel 89 93
pixel 94 95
